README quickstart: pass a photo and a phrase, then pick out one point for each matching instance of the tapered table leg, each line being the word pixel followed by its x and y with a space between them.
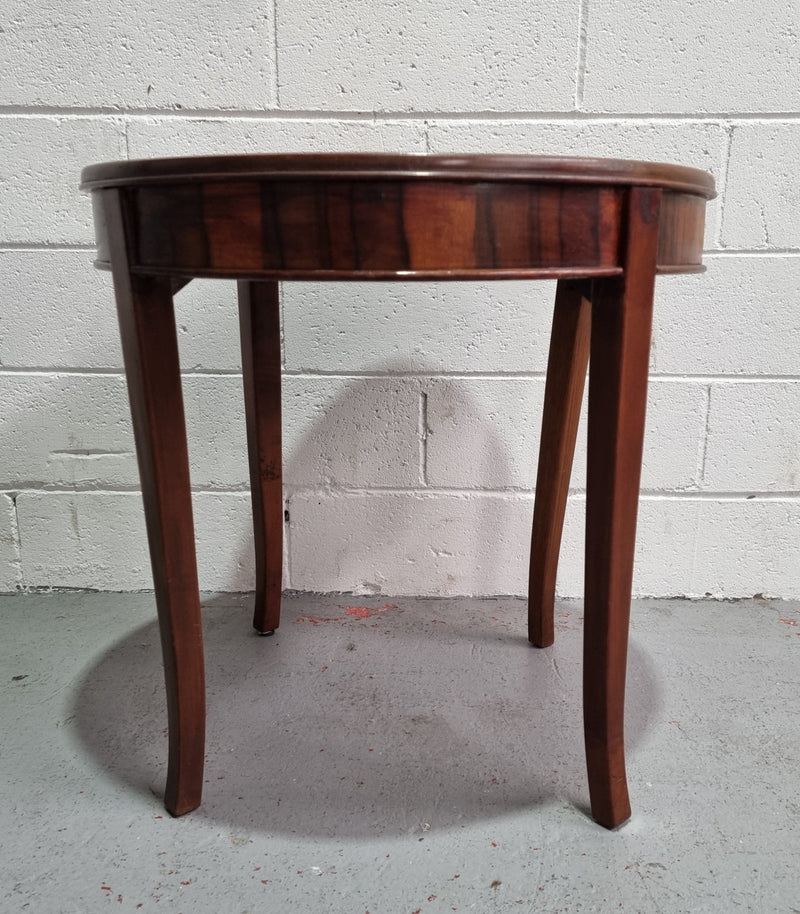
pixel 620 343
pixel 150 350
pixel 259 321
pixel 566 373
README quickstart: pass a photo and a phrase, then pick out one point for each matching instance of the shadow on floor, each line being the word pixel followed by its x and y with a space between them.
pixel 364 717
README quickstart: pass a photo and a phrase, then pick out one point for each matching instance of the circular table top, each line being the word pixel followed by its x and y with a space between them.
pixel 378 166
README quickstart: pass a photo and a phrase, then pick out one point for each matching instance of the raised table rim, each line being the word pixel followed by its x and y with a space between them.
pixel 379 166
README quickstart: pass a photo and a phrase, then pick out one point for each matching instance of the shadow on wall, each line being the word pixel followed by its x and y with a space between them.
pixel 363 517
pixel 392 720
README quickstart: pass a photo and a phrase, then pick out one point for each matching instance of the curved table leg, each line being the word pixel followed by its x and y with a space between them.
pixel 622 309
pixel 566 373
pixel 259 321
pixel 150 350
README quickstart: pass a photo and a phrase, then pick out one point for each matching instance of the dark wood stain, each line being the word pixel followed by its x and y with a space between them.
pixel 232 218
pixel 378 226
pixel 440 225
pixel 260 333
pixel 340 228
pixel 392 227
pixel 271 241
pixel 158 213
pixel 534 235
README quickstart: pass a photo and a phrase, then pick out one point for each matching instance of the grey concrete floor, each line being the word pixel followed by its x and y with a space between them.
pixel 395 756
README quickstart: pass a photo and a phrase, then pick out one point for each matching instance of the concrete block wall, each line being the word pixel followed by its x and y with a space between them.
pixel 411 411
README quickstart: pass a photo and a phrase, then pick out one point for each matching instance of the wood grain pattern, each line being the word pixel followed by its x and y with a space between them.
pixel 207 216
pixel 622 312
pixel 604 228
pixel 393 228
pixel 680 234
pixel 566 373
pixel 150 351
pixel 260 328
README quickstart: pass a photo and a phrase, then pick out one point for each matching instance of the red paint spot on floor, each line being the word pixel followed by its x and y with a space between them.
pixel 365 612
pixel 788 621
pixel 360 612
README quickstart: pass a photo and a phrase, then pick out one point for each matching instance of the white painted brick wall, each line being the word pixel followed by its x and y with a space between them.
pixel 9 545
pixel 763 154
pixel 170 136
pixel 411 411
pixel 39 157
pixel 753 444
pixel 692 56
pixel 739 318
pixel 97 540
pixel 421 328
pixel 145 54
pixel 430 55
pixel 483 433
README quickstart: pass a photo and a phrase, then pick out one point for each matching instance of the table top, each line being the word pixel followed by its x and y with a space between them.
pixel 378 166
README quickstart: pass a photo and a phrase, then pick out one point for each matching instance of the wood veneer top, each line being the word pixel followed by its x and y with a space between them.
pixel 369 166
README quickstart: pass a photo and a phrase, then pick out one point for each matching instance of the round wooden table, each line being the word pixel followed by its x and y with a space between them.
pixel 602 228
